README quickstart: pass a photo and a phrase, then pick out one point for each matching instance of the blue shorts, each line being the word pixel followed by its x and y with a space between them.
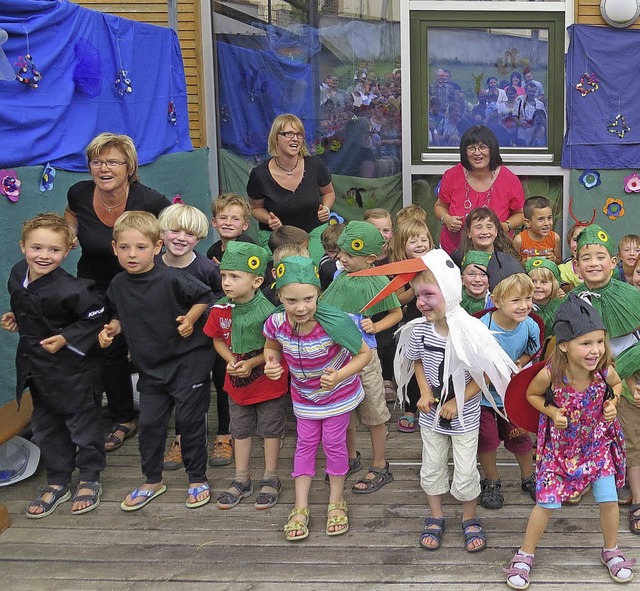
pixel 604 491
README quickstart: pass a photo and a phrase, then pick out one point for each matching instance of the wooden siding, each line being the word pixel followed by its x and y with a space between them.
pixel 588 13
pixel 155 12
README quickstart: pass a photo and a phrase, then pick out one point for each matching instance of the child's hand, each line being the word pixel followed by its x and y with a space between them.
pixel 330 378
pixel 425 403
pixel 53 344
pixel 185 326
pixel 8 322
pixel 273 369
pixel 609 410
pixel 107 334
pixel 323 213
pixel 274 221
pixel 559 420
pixel 241 369
pixel 368 326
pixel 449 410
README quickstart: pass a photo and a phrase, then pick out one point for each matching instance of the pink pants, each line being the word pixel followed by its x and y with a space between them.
pixel 332 432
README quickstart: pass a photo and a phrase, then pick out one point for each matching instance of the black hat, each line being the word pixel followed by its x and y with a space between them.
pixel 575 317
pixel 501 266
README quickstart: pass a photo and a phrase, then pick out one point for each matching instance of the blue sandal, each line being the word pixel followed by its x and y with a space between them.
pixel 194 491
pixel 228 499
pixel 433 530
pixel 59 495
pixel 471 536
pixel 148 495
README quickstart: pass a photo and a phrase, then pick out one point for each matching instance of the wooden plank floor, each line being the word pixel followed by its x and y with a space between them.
pixel 167 547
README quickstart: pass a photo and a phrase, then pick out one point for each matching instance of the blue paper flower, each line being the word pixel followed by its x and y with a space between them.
pixel 436 190
pixel 590 179
pixel 47 178
pixel 334 218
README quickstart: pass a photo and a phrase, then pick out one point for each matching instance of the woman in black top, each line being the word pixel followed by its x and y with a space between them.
pixel 292 188
pixel 92 209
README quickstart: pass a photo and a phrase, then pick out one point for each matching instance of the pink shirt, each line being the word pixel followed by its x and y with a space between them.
pixel 507 196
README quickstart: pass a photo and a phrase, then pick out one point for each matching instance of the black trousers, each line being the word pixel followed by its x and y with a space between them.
pixel 116 377
pixel 67 427
pixel 222 398
pixel 192 405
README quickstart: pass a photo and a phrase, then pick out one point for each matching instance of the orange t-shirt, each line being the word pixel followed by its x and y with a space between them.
pixel 531 248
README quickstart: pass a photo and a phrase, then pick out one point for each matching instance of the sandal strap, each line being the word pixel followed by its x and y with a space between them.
pixel 337 520
pixel 341 506
pixel 142 492
pixel 95 487
pixel 439 521
pixel 271 482
pixel 299 511
pixel 615 568
pixel 194 491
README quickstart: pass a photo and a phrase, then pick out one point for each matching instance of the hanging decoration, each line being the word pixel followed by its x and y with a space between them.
pixel 171 110
pixel 619 126
pixel 27 71
pixel 632 183
pixel 588 83
pixel 613 208
pixel 590 179
pixel 334 219
pixel 48 175
pixel 10 185
pixel 123 82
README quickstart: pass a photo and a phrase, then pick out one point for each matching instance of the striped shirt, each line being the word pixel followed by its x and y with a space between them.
pixel 307 357
pixel 427 346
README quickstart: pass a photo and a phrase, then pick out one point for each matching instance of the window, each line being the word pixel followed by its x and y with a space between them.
pixel 500 69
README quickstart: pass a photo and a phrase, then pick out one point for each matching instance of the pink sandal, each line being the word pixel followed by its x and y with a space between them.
pixel 614 569
pixel 513 571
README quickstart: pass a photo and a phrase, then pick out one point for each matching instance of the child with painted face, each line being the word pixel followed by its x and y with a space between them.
pixel 519 335
pixel 360 244
pixel 573 397
pixel 324 352
pixel 618 304
pixel 546 289
pixel 451 355
pixel 475 281
pixel 256 403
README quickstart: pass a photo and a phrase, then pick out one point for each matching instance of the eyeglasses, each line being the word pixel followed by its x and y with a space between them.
pixel 109 163
pixel 291 134
pixel 482 148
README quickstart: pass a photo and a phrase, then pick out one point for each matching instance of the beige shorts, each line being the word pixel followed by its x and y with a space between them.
pixel 373 409
pixel 629 417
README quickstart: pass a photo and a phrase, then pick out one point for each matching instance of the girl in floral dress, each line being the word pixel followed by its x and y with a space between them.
pixel 580 441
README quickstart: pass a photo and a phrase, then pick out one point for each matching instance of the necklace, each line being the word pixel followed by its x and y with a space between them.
pixel 275 159
pixel 487 200
pixel 109 208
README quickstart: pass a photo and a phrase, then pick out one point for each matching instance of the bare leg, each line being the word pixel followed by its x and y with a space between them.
pixel 609 522
pixel 336 495
pixel 525 463
pixel 469 512
pixel 378 435
pixel 302 485
pixel 487 461
pixel 435 507
pixel 536 527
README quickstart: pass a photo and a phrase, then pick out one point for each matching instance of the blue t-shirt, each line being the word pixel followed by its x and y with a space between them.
pixel 524 338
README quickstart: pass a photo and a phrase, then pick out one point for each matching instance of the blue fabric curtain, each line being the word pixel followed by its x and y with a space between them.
pixel 255 87
pixel 79 53
pixel 613 56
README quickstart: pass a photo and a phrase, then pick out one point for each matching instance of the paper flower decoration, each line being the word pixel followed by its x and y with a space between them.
pixel 632 183
pixel 46 180
pixel 10 185
pixel 613 208
pixel 334 219
pixel 319 149
pixel 436 190
pixel 177 199
pixel 590 179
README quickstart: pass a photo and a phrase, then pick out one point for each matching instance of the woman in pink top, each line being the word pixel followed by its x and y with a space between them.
pixel 480 180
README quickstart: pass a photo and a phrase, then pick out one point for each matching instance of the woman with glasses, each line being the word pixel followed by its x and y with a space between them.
pixel 92 209
pixel 479 180
pixel 292 188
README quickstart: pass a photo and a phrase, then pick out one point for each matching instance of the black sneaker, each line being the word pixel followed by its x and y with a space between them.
pixel 491 497
pixel 355 465
pixel 528 485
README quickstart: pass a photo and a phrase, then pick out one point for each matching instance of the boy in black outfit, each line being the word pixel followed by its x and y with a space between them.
pixel 159 311
pixel 58 318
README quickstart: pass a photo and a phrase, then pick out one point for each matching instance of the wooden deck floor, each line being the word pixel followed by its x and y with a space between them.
pixel 167 547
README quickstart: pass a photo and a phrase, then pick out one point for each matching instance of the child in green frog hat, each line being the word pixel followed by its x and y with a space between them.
pixel 619 305
pixel 360 244
pixel 546 289
pixel 256 403
pixel 475 281
pixel 325 353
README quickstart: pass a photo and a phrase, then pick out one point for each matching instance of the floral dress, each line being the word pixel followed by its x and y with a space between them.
pixel 590 448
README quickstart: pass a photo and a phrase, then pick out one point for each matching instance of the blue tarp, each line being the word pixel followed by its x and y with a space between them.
pixel 613 56
pixel 255 87
pixel 55 122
